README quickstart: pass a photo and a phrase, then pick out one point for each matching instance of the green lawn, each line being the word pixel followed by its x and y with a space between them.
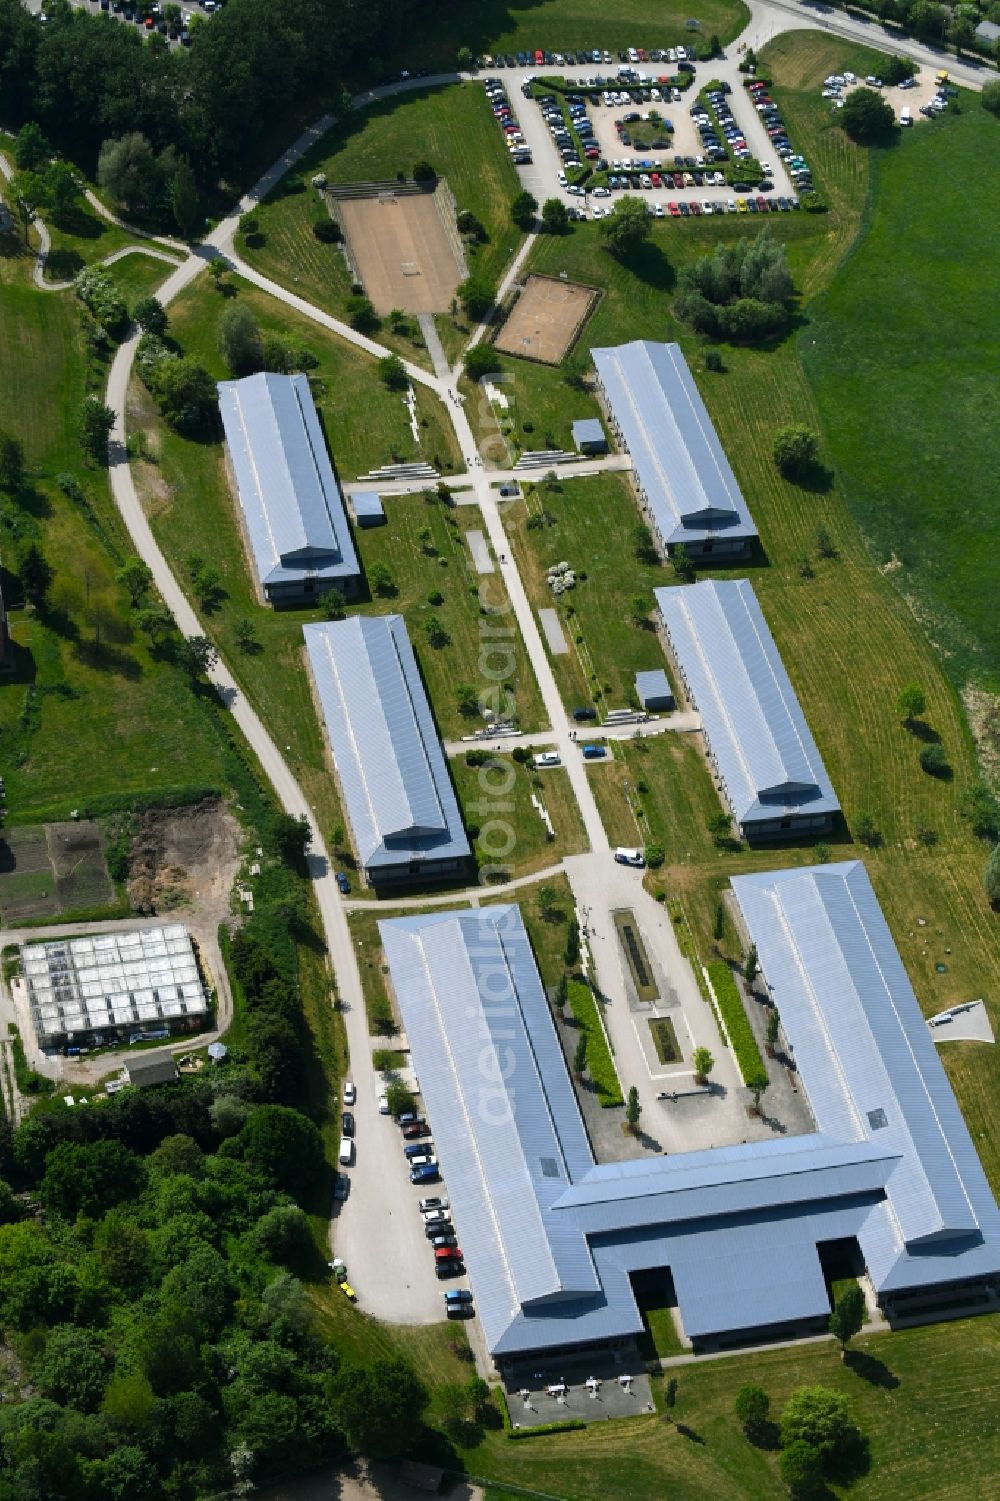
pixel 902 355
pixel 511 831
pixel 516 25
pixel 77 723
pixel 590 523
pixel 924 1399
pixel 138 275
pixel 453 128
pixel 83 238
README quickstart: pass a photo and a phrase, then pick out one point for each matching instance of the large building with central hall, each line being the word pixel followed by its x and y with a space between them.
pixel 552 1238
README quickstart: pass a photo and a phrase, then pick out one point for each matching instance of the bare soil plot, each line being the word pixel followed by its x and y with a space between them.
pixel 185 857
pixel 403 251
pixel 45 871
pixel 546 319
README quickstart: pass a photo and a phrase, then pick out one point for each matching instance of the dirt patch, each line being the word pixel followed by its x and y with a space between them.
pixel 51 869
pixel 546 319
pixel 185 857
pixel 405 256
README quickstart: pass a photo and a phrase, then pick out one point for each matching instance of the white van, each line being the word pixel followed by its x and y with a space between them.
pixel 906 115
pixel 547 758
pixel 346 1155
pixel 629 857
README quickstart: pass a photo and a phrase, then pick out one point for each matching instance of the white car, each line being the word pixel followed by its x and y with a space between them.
pixel 350 1092
pixel 707 207
pixel 548 758
pixel 383 1104
pixel 602 192
pixel 634 857
pixel 660 211
pixel 575 189
pixel 731 206
pixel 766 168
pixel 561 177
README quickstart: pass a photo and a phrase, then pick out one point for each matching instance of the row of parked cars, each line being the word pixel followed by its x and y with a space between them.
pixel 539 58
pixel 796 166
pixel 568 145
pixel 438 1228
pixel 503 113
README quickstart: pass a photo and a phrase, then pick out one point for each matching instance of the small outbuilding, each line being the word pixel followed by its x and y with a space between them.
pixel 988 32
pixel 368 508
pixel 589 436
pixel 151 1068
pixel 653 690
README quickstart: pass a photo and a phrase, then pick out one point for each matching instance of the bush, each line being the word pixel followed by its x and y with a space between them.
pixel 934 760
pixel 99 294
pixel 239 341
pixel 736 1022
pixel 424 172
pixel 393 373
pixel 482 359
pixel 655 856
pixel 599 1061
pixel 361 315
pixel 327 231
pixel 990 96
pixel 796 451
pixel 477 297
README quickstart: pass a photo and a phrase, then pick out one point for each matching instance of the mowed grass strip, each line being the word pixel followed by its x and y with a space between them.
pixel 600 1064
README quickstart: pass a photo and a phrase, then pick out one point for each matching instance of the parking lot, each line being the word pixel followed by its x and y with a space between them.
pixel 616 106
pixel 146 16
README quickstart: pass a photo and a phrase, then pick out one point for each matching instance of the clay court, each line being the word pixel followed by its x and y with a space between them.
pixel 546 319
pixel 405 256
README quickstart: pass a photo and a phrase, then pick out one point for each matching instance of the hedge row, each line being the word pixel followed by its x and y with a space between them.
pixel 737 1024
pixel 599 1061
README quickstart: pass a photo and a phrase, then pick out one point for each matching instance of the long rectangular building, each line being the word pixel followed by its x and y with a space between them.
pixel 682 475
pixel 552 1239
pixel 294 516
pixel 771 772
pixel 393 775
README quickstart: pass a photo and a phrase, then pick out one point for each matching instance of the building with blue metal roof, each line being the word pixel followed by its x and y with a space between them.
pixel 683 478
pixel 295 522
pixel 552 1238
pixel 771 774
pixel 394 780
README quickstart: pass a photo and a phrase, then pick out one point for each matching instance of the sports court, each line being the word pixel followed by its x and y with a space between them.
pixel 404 254
pixel 546 319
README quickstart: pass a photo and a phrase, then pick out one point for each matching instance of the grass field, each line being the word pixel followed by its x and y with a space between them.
pixel 902 324
pixel 76 723
pixel 452 128
pixel 516 25
pixel 512 833
pixel 590 523
pixel 138 275
pixel 922 1397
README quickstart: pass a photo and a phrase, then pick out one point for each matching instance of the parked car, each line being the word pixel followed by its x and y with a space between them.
pixel 440 1227
pixel 458 1295
pixel 425 1174
pixel 551 758
pixel 584 713
pixel 594 752
pixel 350 1093
pixel 431 1207
pixel 415 1129
pixel 448 1253
pixel 347 1123
pixel 419 1151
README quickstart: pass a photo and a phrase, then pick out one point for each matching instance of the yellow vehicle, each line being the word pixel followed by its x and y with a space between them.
pixel 741 206
pixel 348 1291
pixel 940 78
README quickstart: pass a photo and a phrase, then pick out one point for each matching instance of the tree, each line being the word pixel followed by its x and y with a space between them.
pixel 424 172
pixel 548 902
pixel 639 610
pixel 88 1178
pixel 848 1316
pixel 381 581
pixel 467 700
pixel 910 702
pixel 683 564
pixel 477 297
pixel 361 314
pixel 752 1408
pixel 990 96
pixel 187 397
pixel 96 421
pixel 627 228
pixel 703 1064
pixel 398 1097
pixel 523 207
pixel 11 464
pixel 580 1056
pixel 283 1234
pixel 796 451
pixel 481 360
pixel 801 1467
pixel 150 315
pixel 771 1031
pixel 184 198
pixel 934 760
pixel 866 117
pixel 866 831
pixel 720 826
pixel 817 1416
pixel 571 953
pixel 757 1084
pixel 198 656
pixel 991 876
pixel 28 192
pixel 238 339
pixel 393 373
pixel 282 1145
pixel 437 636
pixel 36 574
pixel 633 1110
pixel 246 637
pixel 31 149
pixel 135 578
pixel 751 967
pixel 72 1368
pixel 62 189
pixel 978 805
pixel 380 1407
pixel 128 170
pixel 289 838
pixel 555 216
pixel 654 855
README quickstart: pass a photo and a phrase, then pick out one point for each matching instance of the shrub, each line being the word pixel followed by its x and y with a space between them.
pixel 934 760
pixel 393 373
pixel 599 1061
pixel 655 855
pixel 361 315
pixel 424 172
pixel 990 96
pixel 482 359
pixel 736 1022
pixel 796 451
pixel 99 294
pixel 327 231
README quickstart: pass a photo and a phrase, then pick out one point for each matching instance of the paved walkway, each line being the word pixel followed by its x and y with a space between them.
pixel 434 346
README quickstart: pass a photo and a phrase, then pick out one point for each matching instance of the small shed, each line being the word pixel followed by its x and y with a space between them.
pixel 151 1068
pixel 368 510
pixel 988 32
pixel 588 435
pixel 653 690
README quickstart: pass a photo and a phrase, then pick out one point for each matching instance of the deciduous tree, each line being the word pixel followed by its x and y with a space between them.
pixel 627 228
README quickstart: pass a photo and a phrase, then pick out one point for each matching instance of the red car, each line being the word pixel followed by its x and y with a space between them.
pixel 696 207
pixel 673 209
pixel 448 1253
pixel 656 179
pixel 418 1128
pixel 539 59
pixel 762 205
